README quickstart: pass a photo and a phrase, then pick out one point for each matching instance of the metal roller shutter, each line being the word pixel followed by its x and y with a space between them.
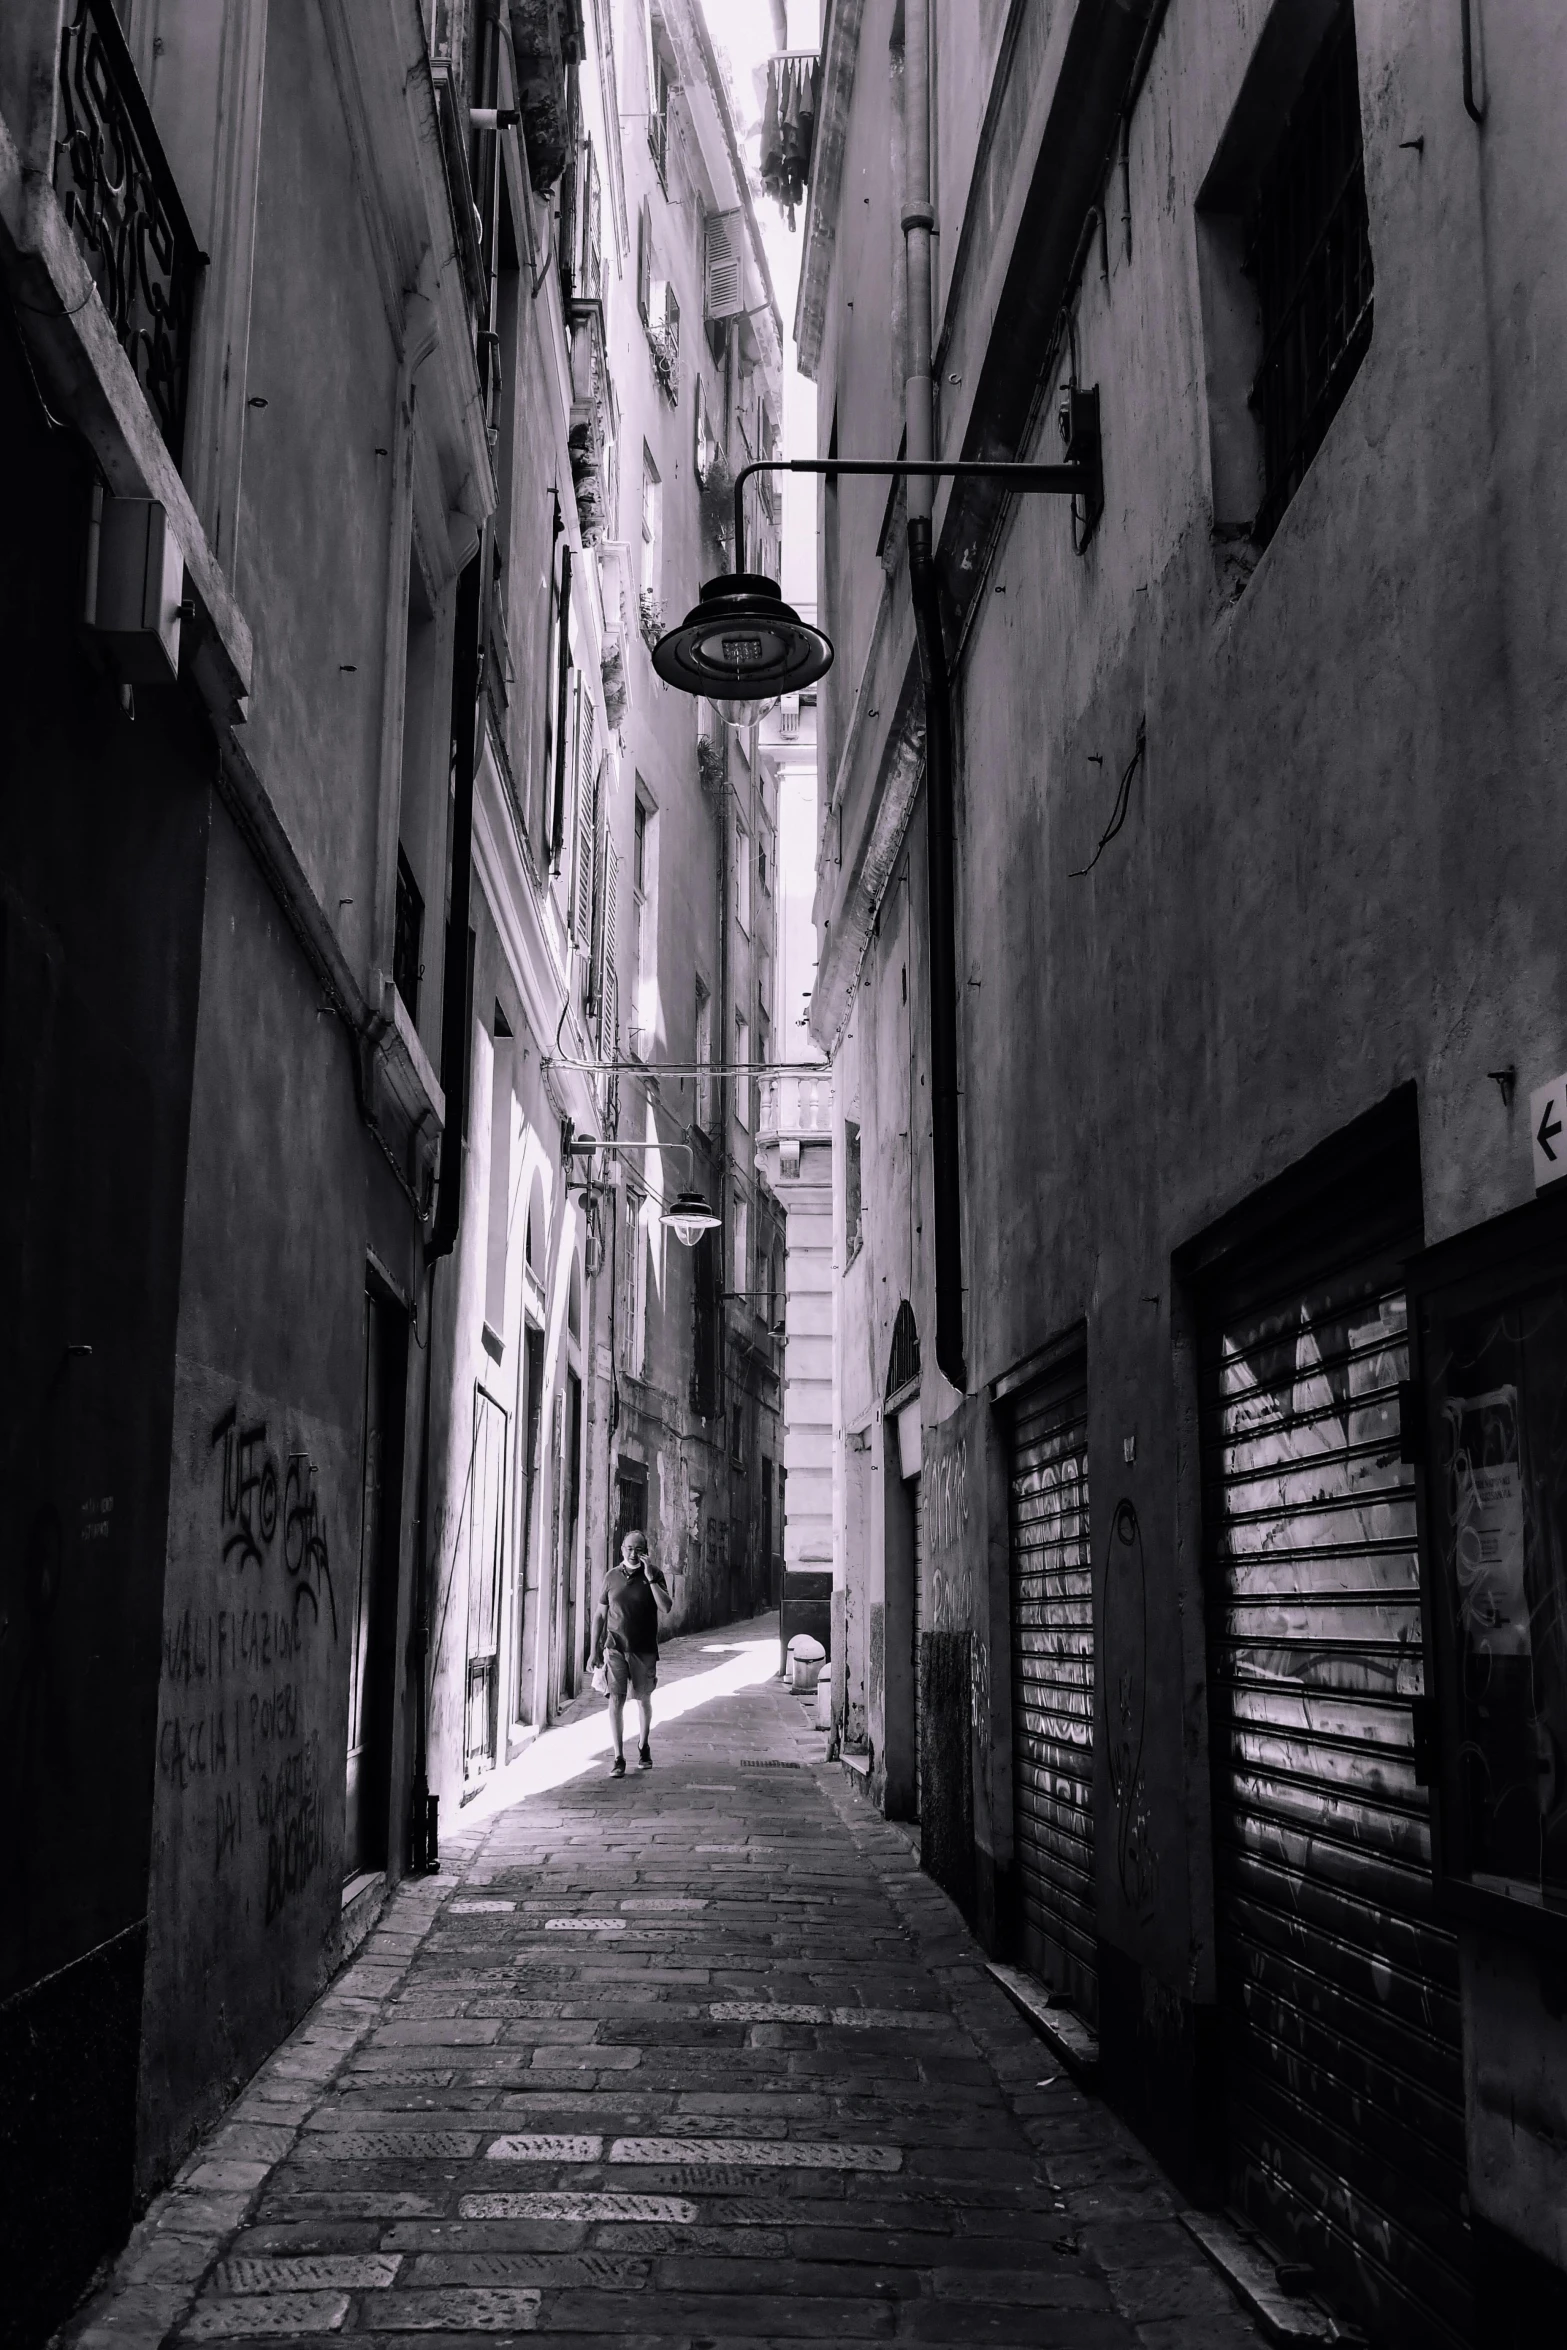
pixel 1338 1991
pixel 918 1614
pixel 1053 1683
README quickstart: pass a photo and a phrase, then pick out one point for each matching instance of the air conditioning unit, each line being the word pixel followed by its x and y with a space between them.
pixel 724 290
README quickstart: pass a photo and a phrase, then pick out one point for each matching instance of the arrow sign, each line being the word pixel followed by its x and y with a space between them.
pixel 1548 1131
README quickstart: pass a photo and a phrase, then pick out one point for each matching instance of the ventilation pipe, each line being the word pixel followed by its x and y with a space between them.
pixel 919 221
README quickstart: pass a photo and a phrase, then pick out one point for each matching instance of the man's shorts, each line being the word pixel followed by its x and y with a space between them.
pixel 638 1673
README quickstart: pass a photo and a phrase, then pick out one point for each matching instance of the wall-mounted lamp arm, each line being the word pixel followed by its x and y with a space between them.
pixel 1081 479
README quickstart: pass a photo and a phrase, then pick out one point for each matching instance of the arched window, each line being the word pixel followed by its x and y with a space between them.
pixel 903 1364
pixel 532 1242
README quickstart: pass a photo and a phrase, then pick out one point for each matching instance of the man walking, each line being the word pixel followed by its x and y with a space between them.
pixel 625 1643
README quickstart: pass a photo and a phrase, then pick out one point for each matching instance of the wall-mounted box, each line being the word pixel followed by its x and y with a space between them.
pixel 134 587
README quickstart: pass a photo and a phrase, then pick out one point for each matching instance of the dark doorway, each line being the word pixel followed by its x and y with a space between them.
pixel 486 1515
pixel 573 1520
pixel 373 1646
pixel 525 1575
pixel 632 1478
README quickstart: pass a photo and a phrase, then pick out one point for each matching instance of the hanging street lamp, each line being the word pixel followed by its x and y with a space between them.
pixel 743 648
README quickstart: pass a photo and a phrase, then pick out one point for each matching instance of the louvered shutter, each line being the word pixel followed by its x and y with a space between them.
pixel 1338 1978
pixel 609 919
pixel 582 875
pixel 602 854
pixel 594 224
pixel 645 262
pixel 1053 1704
pixel 724 288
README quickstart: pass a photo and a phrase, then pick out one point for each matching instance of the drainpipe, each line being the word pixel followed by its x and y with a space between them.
pixel 454 986
pixel 919 221
pixel 455 1053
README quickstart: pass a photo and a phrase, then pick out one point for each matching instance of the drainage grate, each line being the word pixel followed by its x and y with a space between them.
pixel 767 1764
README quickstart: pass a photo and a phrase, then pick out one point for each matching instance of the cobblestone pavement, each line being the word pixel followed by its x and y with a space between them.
pixel 691 2058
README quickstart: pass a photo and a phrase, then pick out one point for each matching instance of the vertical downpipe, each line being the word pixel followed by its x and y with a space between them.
pixel 456 1046
pixel 919 221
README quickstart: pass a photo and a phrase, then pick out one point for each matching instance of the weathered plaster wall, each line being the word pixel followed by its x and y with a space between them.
pixel 264 1513
pixel 311 572
pixel 1337 871
pixel 103 852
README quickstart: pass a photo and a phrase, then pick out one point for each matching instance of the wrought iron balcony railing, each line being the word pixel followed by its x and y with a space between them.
pixel 119 196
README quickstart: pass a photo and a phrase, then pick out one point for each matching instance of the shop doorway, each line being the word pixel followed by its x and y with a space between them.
pixel 1338 1984
pixel 372 1652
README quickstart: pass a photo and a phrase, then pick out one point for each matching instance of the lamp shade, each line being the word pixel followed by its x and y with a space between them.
pixel 688 1216
pixel 742 647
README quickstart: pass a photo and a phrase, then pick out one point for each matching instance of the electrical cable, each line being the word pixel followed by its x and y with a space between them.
pixel 1119 812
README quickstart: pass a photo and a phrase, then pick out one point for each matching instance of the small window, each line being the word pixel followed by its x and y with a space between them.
pixel 703 1056
pixel 1284 266
pixel 407 938
pixel 644 262
pixel 742 858
pixel 644 922
pixel 652 518
pixel 742 1064
pixel 742 1248
pixel 852 1232
pixel 659 86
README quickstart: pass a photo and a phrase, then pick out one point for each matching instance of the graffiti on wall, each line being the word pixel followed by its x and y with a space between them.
pixel 240 1766
pixel 1126 1707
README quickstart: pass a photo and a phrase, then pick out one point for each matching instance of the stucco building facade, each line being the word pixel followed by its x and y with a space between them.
pixel 1149 1531
pixel 325 707
pixel 696 340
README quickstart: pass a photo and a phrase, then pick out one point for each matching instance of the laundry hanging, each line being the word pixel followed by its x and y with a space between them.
pixel 788 128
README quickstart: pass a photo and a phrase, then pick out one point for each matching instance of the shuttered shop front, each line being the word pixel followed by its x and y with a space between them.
pixel 1052 1606
pixel 916 1639
pixel 1338 1990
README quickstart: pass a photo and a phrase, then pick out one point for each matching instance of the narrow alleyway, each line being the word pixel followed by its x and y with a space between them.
pixel 695 2057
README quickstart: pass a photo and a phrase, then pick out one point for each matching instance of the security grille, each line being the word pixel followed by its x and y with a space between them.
pixel 1338 1988
pixel 1053 1682
pixel 1309 251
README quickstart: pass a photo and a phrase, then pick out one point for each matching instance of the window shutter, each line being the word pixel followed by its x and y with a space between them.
pixel 595 225
pixel 645 262
pixel 582 878
pixel 609 919
pixel 602 853
pixel 724 272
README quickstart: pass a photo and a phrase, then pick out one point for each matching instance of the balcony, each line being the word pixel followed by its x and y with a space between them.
pixel 544 43
pixel 796 1108
pixel 119 197
pixel 592 426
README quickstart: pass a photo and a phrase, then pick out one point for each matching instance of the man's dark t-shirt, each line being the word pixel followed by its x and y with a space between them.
pixel 632 1611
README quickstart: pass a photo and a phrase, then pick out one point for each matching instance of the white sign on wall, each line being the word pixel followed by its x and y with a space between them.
pixel 1548 1131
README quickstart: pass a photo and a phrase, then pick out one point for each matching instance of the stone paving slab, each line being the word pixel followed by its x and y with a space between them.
pixel 695 2058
